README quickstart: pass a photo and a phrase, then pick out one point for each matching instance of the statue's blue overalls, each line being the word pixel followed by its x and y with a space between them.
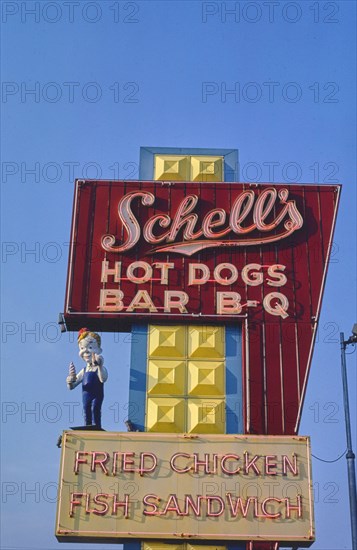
pixel 93 395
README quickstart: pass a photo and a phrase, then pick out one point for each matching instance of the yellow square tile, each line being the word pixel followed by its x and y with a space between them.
pixel 206 168
pixel 161 546
pixel 206 342
pixel 206 416
pixel 165 414
pixel 206 378
pixel 166 377
pixel 166 341
pixel 171 167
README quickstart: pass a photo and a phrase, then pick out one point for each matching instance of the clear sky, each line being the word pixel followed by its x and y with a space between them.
pixel 85 84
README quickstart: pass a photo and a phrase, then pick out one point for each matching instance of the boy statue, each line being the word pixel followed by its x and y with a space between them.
pixel 92 376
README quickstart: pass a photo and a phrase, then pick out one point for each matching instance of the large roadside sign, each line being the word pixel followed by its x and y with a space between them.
pixel 188 252
pixel 122 486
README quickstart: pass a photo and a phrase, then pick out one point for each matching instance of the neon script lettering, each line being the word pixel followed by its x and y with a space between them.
pixel 216 224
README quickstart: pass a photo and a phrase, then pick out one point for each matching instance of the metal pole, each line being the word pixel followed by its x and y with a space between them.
pixel 350 456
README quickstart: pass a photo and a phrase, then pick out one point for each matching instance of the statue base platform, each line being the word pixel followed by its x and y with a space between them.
pixel 87 428
pixel 84 428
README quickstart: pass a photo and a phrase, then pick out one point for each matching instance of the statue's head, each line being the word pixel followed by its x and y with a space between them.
pixel 89 343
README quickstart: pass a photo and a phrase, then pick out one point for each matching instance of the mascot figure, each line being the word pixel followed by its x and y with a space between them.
pixel 92 376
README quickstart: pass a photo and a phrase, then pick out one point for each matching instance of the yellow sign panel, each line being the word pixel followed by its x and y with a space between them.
pixel 188 168
pixel 116 486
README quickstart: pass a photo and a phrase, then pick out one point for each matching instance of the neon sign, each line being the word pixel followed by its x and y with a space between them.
pixel 240 487
pixel 224 274
pixel 260 207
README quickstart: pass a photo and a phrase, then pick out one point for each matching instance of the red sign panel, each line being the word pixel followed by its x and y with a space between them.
pixel 207 252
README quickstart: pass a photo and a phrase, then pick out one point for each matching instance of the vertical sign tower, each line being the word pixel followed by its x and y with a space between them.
pixel 186 378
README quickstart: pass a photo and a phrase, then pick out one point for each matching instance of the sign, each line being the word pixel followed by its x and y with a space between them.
pixel 118 486
pixel 189 252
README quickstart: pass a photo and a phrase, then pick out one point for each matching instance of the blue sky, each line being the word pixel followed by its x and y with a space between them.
pixel 275 80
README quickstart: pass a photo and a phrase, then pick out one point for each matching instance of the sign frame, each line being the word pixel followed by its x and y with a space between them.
pixel 78 464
